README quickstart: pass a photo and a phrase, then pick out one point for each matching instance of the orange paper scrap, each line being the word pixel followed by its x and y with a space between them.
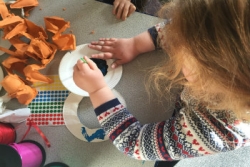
pixel 12 64
pixel 34 31
pixel 30 42
pixel 65 42
pixel 27 5
pixel 33 75
pixel 58 25
pixel 7 51
pixel 20 46
pixel 17 89
pixel 39 49
pixel 27 10
pixel 14 30
pixel 23 3
pixel 4 10
pixel 12 19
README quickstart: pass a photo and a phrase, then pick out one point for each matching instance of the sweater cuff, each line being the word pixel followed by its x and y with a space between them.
pixel 154 34
pixel 106 106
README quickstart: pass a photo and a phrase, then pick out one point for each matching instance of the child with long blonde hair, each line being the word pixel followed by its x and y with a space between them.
pixel 208 44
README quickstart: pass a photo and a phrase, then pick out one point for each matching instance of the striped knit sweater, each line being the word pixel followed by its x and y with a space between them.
pixel 192 131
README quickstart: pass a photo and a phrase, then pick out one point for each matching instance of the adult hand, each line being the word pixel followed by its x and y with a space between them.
pixel 123 9
pixel 122 50
pixel 88 76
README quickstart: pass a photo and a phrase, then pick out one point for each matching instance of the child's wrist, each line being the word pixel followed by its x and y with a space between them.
pixel 136 50
pixel 101 96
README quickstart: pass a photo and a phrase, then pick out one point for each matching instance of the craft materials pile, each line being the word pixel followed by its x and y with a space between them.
pixel 42 109
pixel 48 100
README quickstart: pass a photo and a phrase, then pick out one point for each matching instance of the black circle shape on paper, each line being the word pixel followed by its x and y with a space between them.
pixel 101 64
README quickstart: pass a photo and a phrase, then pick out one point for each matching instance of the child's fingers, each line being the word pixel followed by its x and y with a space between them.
pixel 108 39
pixel 117 63
pixel 90 63
pixel 76 68
pixel 82 66
pixel 125 12
pixel 132 8
pixel 104 56
pixel 119 11
pixel 102 48
pixel 115 8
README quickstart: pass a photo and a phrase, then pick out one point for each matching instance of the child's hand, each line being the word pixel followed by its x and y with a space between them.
pixel 122 50
pixel 123 8
pixel 87 76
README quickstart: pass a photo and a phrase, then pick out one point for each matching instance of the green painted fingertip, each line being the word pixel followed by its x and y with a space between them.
pixel 83 60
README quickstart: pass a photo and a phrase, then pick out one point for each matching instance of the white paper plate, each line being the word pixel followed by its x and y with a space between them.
pixel 4 43
pixel 1 76
pixel 73 123
pixel 67 63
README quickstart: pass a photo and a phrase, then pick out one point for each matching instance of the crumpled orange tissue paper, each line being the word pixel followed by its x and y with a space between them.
pixel 20 74
pixel 57 25
pixel 27 5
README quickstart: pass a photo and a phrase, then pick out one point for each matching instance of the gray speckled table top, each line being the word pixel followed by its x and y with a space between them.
pixel 86 16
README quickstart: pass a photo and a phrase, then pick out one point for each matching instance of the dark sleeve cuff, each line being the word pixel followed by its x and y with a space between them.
pixel 106 106
pixel 154 34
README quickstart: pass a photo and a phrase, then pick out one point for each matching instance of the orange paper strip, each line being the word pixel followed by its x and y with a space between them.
pixel 12 64
pixel 12 19
pixel 56 24
pixel 65 42
pixel 34 30
pixel 17 89
pixel 14 30
pixel 33 75
pixel 23 3
pixel 4 10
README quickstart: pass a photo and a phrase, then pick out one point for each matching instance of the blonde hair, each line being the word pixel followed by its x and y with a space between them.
pixel 212 37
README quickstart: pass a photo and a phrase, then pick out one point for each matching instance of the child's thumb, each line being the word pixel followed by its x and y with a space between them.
pixel 116 63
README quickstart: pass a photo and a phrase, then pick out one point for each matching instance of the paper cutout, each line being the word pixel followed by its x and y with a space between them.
pixel 27 10
pixel 65 42
pixel 24 3
pixel 101 64
pixel 27 5
pixel 4 10
pixel 16 88
pixel 14 64
pixel 57 25
pixel 75 126
pixel 14 30
pixel 99 134
pixel 30 42
pixel 67 63
pixel 34 31
pixel 33 75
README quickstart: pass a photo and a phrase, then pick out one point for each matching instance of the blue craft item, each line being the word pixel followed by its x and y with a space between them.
pixel 101 64
pixel 99 134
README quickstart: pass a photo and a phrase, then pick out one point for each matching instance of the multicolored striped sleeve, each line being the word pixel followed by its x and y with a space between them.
pixel 155 141
pixel 128 135
pixel 156 34
pixel 185 135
